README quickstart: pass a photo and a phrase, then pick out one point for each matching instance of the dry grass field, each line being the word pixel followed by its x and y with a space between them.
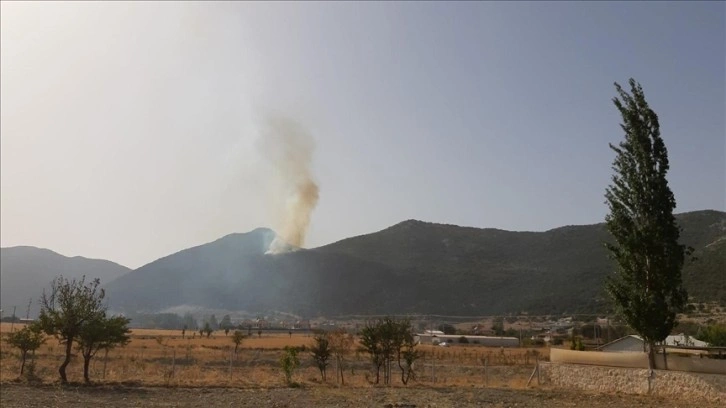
pixel 163 357
pixel 160 368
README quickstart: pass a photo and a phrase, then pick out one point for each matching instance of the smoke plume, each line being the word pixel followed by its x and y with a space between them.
pixel 289 149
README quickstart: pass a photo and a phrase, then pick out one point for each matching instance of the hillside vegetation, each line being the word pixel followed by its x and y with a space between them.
pixel 25 271
pixel 410 267
pixel 413 267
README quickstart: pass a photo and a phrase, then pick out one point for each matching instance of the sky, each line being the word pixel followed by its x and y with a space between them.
pixel 129 130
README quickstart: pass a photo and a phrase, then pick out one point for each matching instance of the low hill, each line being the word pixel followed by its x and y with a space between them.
pixel 25 271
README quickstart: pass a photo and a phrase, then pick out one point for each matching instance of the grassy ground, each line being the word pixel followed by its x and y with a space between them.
pixel 164 357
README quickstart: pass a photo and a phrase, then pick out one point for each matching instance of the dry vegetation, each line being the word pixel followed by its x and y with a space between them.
pixel 160 368
pixel 163 357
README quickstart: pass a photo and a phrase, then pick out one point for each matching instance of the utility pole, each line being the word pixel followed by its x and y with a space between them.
pixel 27 312
pixel 12 324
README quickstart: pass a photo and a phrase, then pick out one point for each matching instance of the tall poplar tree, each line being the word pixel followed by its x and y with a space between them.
pixel 646 288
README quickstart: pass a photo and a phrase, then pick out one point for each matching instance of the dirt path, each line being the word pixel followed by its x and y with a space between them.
pixel 18 395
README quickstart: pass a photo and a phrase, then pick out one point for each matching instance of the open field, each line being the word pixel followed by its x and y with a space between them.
pixel 164 358
pixel 160 368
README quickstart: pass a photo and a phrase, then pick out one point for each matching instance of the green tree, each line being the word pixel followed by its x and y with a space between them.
pixel 405 349
pixel 103 333
pixel 389 340
pixel 213 322
pixel 371 342
pixel 189 321
pixel 29 338
pixel 646 288
pixel 498 326
pixel 207 329
pixel 321 351
pixel 714 335
pixel 66 308
pixel 226 324
pixel 289 362
pixel 237 338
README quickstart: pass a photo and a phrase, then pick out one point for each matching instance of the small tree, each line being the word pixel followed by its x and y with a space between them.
pixel 404 348
pixel 103 333
pixel 207 329
pixel 226 324
pixel 66 308
pixel 370 341
pixel 213 322
pixel 29 338
pixel 189 321
pixel 340 344
pixel 498 326
pixel 237 339
pixel 647 289
pixel 321 352
pixel 387 341
pixel 184 331
pixel 289 362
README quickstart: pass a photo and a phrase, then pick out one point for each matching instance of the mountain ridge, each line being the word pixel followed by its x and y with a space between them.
pixel 26 270
pixel 410 267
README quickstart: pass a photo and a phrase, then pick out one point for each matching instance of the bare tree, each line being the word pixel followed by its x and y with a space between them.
pixel 340 344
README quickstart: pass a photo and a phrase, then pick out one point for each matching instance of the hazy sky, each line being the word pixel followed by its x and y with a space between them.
pixel 128 129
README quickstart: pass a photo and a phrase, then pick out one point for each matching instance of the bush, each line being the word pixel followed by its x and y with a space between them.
pixel 576 344
pixel 714 335
pixel 463 340
pixel 289 362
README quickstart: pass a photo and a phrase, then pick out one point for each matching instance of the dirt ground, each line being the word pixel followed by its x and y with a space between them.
pixel 20 395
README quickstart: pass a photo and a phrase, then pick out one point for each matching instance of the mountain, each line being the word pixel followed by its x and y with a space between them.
pixel 411 267
pixel 25 271
pixel 480 271
pixel 237 272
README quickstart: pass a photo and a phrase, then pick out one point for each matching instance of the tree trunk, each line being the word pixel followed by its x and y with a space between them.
pixel 86 363
pixel 66 361
pixel 22 361
pixel 651 355
pixel 404 378
pixel 340 367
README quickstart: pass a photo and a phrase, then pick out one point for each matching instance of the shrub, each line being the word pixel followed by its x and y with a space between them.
pixel 289 362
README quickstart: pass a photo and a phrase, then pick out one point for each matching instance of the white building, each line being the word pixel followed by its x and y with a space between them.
pixel 635 343
pixel 452 339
